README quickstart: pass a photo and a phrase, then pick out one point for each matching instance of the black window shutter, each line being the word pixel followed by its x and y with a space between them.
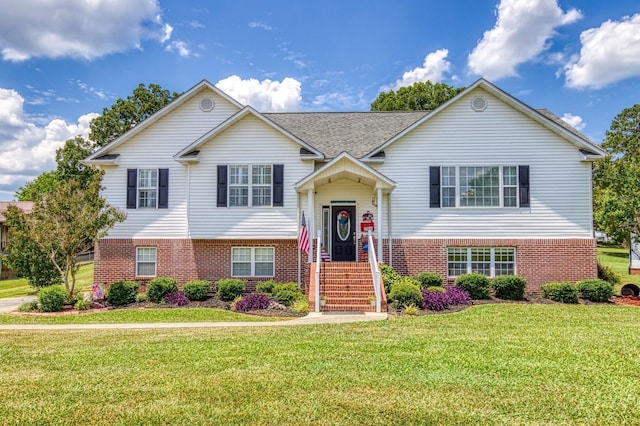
pixel 222 186
pixel 434 186
pixel 278 185
pixel 523 182
pixel 132 187
pixel 163 188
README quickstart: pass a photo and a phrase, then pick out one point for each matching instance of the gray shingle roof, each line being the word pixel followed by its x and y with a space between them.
pixel 357 133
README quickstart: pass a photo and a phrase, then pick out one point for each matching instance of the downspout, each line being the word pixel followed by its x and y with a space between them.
pixel 188 200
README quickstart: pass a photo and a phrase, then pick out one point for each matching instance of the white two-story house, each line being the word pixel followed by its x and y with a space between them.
pixel 215 189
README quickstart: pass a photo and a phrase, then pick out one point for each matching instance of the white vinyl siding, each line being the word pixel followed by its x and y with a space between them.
pixel 252 261
pixel 489 261
pixel 560 183
pixel 146 259
pixel 147 188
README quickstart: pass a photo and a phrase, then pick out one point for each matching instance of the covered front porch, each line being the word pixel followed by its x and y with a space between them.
pixel 345 204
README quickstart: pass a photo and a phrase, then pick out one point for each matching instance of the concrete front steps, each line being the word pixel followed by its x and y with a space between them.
pixel 347 287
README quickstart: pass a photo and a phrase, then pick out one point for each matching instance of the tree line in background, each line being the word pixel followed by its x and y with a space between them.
pixel 69 215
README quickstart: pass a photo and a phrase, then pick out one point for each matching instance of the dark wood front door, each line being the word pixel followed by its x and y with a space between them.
pixel 343 228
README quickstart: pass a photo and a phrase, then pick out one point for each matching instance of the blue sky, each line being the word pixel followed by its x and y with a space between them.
pixel 61 63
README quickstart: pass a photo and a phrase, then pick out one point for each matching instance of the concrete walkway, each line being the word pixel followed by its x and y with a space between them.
pixel 311 319
pixel 11 304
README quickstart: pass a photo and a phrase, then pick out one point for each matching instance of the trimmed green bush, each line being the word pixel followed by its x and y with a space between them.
pixel 437 288
pixel 82 305
pixel 607 274
pixel 287 293
pixel 141 297
pixel 52 298
pixel 300 307
pixel 595 290
pixel 477 285
pixel 389 276
pixel 509 287
pixel 429 279
pixel 561 292
pixel 122 293
pixel 230 288
pixel 265 287
pixel 197 289
pixel 159 287
pixel 405 292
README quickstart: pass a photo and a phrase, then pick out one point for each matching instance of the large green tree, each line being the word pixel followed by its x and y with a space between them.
pixel 418 97
pixel 63 224
pixel 616 192
pixel 124 114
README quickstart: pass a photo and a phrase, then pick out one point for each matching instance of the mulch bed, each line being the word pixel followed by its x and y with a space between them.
pixel 627 300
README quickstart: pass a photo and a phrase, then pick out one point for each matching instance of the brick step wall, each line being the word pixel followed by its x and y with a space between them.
pixel 347 287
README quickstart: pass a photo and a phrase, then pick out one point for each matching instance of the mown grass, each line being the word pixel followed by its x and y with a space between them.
pixel 617 258
pixel 491 364
pixel 20 286
pixel 124 316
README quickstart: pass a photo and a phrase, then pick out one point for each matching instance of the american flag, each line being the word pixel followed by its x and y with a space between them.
pixel 303 241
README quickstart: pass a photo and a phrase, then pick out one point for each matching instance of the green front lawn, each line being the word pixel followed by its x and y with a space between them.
pixel 20 287
pixel 617 258
pixel 505 364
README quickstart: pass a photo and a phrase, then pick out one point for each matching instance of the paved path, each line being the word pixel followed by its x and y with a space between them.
pixel 11 304
pixel 312 318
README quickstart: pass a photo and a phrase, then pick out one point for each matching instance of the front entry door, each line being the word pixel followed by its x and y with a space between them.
pixel 343 231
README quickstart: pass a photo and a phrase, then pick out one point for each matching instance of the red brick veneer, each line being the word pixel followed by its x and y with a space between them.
pixel 185 259
pixel 538 260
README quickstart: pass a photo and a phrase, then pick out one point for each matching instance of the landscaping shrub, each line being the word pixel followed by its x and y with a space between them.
pixel 434 300
pixel 595 290
pixel 230 288
pixel 82 305
pixel 389 276
pixel 287 293
pixel 437 288
pixel 176 298
pixel 411 310
pixel 457 295
pixel 609 275
pixel 141 297
pixel 28 307
pixel 121 293
pixel 561 292
pixel 405 292
pixel 300 306
pixel 265 287
pixel 197 289
pixel 510 287
pixel 159 287
pixel 252 302
pixel 429 279
pixel 476 284
pixel 52 298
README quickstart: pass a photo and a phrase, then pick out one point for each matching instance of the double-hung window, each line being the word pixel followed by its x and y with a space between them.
pixel 146 261
pixel 249 186
pixel 489 261
pixel 147 188
pixel 252 261
pixel 480 186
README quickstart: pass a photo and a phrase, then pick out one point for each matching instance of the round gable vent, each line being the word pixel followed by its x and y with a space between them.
pixel 479 104
pixel 207 104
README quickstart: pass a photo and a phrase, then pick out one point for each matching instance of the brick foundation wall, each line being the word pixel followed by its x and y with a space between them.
pixel 539 261
pixel 186 260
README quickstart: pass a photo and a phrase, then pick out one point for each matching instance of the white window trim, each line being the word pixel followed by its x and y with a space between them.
pixel 501 190
pixel 253 261
pixel 249 186
pixel 155 262
pixel 147 188
pixel 493 260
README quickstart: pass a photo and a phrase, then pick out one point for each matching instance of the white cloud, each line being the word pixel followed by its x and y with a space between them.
pixel 574 121
pixel 434 68
pixel 342 100
pixel 522 31
pixel 27 148
pixel 609 53
pixel 77 28
pixel 260 25
pixel 181 47
pixel 265 95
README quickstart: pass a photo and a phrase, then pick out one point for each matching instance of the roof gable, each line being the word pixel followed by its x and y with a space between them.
pixel 181 100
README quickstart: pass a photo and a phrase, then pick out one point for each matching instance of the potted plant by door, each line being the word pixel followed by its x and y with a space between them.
pixel 323 300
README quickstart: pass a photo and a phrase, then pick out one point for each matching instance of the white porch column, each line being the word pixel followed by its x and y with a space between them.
pixel 310 222
pixel 380 257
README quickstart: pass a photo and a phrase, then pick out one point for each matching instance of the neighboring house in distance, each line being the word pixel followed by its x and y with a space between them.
pixel 214 189
pixel 27 207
